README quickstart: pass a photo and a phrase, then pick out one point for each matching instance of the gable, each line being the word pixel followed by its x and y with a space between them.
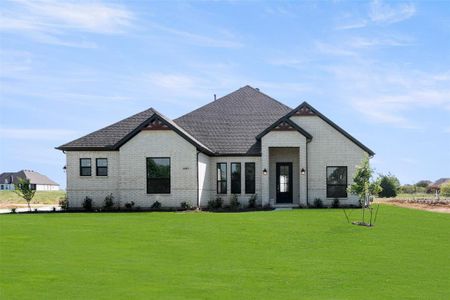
pixel 226 126
pixel 306 110
pixel 284 124
pixel 157 124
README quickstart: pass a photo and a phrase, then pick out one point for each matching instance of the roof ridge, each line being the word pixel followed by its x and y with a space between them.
pixel 259 91
pixel 239 89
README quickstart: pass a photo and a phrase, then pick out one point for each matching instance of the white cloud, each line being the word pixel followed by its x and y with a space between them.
pixel 49 21
pixel 36 134
pixel 225 38
pixel 379 13
pixel 352 25
pixel 383 13
pixel 388 94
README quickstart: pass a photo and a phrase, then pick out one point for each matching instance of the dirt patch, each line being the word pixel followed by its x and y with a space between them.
pixel 22 205
pixel 428 205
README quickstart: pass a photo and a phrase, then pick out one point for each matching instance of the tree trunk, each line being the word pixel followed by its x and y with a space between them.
pixel 29 207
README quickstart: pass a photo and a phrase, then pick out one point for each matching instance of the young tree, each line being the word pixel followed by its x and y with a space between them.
pixel 390 185
pixel 23 189
pixel 362 184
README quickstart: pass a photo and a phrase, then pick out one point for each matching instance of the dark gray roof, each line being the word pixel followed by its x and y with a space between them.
pixel 230 124
pixel 32 176
pixel 227 126
pixel 106 138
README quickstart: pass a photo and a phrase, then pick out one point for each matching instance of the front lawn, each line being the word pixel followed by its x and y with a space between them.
pixel 309 254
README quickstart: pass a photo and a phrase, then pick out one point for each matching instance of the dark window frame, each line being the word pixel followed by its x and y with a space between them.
pixel 102 167
pixel 169 189
pixel 86 168
pixel 221 180
pixel 250 184
pixel 337 185
pixel 239 182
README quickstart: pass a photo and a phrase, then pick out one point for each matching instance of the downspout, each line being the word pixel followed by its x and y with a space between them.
pixel 307 176
pixel 198 189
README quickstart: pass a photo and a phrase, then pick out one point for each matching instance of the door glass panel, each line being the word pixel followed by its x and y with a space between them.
pixel 284 179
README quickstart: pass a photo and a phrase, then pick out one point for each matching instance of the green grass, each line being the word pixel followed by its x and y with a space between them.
pixel 309 254
pixel 42 197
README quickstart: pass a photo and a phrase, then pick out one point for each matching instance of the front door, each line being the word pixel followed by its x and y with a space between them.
pixel 284 182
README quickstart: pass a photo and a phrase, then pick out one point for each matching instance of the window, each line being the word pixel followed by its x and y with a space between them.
pixel 235 178
pixel 102 166
pixel 158 175
pixel 336 182
pixel 85 167
pixel 221 178
pixel 249 178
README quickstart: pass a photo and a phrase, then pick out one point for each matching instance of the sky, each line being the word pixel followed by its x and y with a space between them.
pixel 380 70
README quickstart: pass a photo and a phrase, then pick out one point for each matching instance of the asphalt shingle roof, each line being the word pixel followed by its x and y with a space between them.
pixel 230 124
pixel 227 126
pixel 109 136
pixel 33 177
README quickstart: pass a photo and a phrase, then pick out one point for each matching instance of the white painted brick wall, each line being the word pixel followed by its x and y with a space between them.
pixel 126 178
pixel 183 168
pixel 282 139
pixel 204 182
pixel 243 198
pixel 94 187
pixel 328 148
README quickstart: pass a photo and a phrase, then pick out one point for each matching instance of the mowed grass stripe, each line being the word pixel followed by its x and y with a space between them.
pixel 311 254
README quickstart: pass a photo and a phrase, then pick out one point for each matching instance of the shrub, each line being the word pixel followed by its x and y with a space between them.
pixel 185 205
pixel 129 205
pixel 390 185
pixel 234 202
pixel 87 203
pixel 252 201
pixel 408 189
pixel 335 203
pixel 215 204
pixel 318 203
pixel 156 205
pixel 445 189
pixel 109 202
pixel 63 203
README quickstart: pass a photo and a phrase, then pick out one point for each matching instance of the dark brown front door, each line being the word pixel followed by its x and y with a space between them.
pixel 284 182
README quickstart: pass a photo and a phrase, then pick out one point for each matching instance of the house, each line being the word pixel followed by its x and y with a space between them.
pixel 38 181
pixel 436 186
pixel 244 143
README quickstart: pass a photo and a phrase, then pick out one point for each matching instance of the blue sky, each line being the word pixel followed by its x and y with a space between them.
pixel 381 70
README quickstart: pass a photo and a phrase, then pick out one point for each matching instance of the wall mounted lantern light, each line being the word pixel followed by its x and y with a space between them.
pixel 302 171
pixel 265 171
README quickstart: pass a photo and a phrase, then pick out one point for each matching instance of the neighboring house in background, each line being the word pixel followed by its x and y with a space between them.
pixel 436 186
pixel 244 143
pixel 38 181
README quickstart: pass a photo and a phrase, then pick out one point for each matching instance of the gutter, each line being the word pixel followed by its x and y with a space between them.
pixel 307 176
pixel 198 189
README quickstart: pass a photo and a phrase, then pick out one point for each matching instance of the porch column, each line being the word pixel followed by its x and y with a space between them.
pixel 302 181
